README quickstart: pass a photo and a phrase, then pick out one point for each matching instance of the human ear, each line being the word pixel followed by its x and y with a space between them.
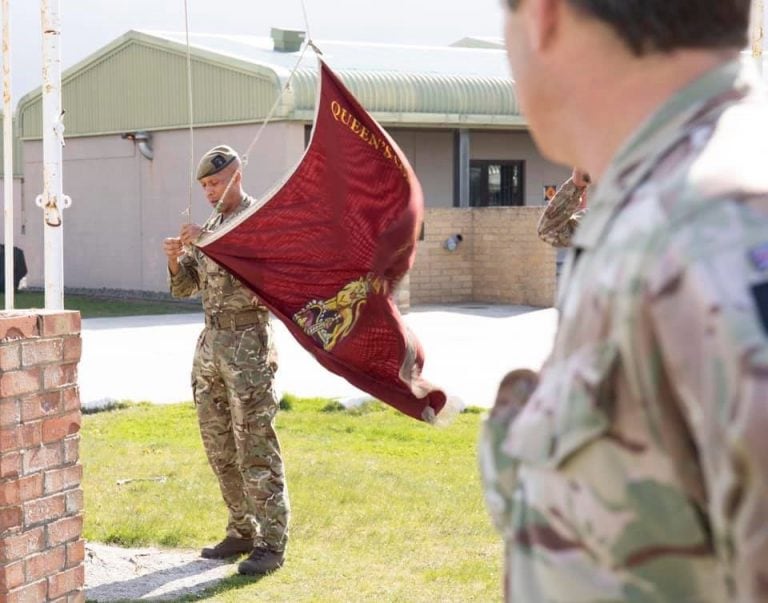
pixel 543 18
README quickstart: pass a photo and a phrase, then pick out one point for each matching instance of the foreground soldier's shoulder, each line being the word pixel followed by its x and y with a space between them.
pixel 715 263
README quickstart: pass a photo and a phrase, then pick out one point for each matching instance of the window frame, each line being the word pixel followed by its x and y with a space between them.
pixel 485 164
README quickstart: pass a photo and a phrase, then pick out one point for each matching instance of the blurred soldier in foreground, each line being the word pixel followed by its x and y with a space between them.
pixel 563 213
pixel 232 380
pixel 637 468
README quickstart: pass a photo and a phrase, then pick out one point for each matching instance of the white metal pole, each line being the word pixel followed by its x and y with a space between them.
pixel 52 200
pixel 8 158
pixel 757 35
pixel 763 17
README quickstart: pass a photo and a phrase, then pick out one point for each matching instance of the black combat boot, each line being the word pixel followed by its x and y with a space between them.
pixel 262 560
pixel 229 547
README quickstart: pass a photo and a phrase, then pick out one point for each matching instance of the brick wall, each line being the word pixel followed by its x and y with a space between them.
pixel 511 264
pixel 41 503
pixel 439 276
pixel 500 260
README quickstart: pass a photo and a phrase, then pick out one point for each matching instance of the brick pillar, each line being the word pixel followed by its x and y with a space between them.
pixel 41 503
pixel 402 294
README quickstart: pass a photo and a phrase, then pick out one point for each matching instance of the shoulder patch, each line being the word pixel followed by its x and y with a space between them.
pixel 759 257
pixel 761 301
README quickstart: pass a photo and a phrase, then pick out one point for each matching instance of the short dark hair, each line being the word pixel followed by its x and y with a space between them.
pixel 666 25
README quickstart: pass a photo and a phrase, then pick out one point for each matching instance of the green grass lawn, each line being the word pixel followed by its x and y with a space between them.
pixel 383 508
pixel 96 307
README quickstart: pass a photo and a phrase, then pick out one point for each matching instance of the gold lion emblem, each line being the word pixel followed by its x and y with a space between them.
pixel 329 321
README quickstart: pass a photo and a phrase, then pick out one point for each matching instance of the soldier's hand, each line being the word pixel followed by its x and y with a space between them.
pixel 189 233
pixel 580 178
pixel 514 390
pixel 173 248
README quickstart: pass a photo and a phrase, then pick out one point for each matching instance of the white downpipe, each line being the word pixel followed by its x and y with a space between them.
pixel 8 158
pixel 52 200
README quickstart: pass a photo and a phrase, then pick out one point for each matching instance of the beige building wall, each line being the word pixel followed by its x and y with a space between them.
pixel 123 204
pixel 431 155
pixel 518 145
pixel 500 260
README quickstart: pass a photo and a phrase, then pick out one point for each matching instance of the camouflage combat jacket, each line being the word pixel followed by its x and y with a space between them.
pixel 220 291
pixel 637 471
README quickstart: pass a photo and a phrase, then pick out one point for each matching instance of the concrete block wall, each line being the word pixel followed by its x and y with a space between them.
pixel 500 260
pixel 41 502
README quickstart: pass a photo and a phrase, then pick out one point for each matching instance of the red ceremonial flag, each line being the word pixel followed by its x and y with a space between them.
pixel 325 250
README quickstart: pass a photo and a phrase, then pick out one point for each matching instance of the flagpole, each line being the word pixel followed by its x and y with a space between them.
pixel 8 159
pixel 757 35
pixel 763 25
pixel 52 200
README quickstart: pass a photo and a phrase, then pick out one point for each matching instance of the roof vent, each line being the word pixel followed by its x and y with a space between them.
pixel 287 40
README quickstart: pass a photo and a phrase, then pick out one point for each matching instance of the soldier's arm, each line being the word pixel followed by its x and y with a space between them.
pixel 561 216
pixel 185 281
pixel 709 309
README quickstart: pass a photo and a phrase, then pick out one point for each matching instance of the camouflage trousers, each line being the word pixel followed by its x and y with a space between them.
pixel 232 377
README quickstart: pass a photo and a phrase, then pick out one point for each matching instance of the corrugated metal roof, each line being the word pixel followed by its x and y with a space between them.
pixel 139 82
pixel 479 42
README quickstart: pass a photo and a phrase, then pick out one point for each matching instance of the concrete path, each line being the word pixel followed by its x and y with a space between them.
pixel 468 349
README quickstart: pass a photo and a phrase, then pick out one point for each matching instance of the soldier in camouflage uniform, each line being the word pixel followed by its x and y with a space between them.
pixel 564 211
pixel 634 467
pixel 232 380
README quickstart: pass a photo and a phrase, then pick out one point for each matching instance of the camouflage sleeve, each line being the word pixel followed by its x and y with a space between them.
pixel 561 216
pixel 709 309
pixel 186 282
pixel 497 470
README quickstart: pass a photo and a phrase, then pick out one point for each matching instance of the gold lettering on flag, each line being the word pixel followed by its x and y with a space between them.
pixel 343 115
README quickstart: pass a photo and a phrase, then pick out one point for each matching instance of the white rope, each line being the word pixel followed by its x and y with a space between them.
pixel 307 44
pixel 244 157
pixel 191 112
pixel 306 22
pixel 276 104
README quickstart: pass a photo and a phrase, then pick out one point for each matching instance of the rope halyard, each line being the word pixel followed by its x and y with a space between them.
pixel 306 23
pixel 276 104
pixel 309 43
pixel 191 113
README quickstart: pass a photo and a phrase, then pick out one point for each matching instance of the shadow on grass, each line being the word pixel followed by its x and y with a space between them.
pixel 232 583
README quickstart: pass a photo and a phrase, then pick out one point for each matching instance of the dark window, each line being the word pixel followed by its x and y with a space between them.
pixel 496 183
